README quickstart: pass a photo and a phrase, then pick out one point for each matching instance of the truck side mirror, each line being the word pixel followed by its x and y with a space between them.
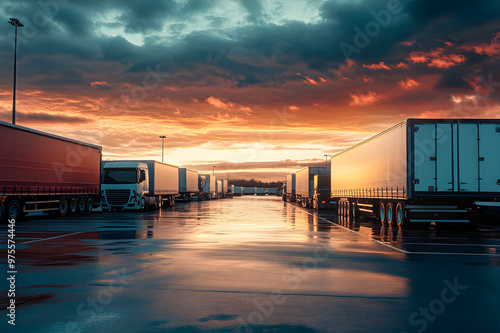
pixel 142 176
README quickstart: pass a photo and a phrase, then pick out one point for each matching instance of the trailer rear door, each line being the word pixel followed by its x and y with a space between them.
pixel 456 156
pixel 489 157
pixel 433 157
pixel 468 157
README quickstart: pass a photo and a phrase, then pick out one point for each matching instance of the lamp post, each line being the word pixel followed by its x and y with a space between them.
pixel 15 22
pixel 162 137
pixel 213 170
pixel 326 159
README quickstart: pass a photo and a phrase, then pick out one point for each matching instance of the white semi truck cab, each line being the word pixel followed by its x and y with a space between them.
pixel 125 185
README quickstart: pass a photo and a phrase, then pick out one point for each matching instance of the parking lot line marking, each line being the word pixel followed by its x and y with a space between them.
pixel 457 254
pixel 358 233
pixel 45 239
pixel 446 244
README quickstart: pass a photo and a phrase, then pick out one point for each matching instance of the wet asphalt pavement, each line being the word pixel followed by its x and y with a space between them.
pixel 251 264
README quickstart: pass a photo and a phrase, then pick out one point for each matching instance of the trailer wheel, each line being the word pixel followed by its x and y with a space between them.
pixel 80 205
pixel 382 213
pixel 390 214
pixel 13 210
pixel 347 209
pixel 63 207
pixel 89 205
pixel 400 215
pixel 72 206
pixel 339 208
pixel 354 210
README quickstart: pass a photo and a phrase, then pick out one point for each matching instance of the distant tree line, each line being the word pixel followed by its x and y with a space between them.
pixel 255 183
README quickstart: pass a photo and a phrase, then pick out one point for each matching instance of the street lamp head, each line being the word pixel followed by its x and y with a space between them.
pixel 15 22
pixel 163 137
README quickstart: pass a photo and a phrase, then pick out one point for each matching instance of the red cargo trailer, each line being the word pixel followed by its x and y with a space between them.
pixel 45 172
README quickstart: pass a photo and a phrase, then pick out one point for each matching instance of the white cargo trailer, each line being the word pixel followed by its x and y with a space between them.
pixel 133 185
pixel 290 188
pixel 238 191
pixel 207 186
pixel 224 188
pixel 420 171
pixel 249 190
pixel 230 191
pixel 304 184
pixel 188 184
pixel 218 189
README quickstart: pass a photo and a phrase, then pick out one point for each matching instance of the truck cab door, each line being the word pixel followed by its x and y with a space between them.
pixel 143 185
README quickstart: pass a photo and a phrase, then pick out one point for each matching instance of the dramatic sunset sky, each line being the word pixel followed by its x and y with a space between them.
pixel 258 88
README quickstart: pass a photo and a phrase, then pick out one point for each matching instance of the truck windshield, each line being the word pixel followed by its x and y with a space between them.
pixel 119 176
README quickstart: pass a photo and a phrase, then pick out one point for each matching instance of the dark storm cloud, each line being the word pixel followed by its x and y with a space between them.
pixel 454 79
pixel 257 54
pixel 255 10
pixel 45 117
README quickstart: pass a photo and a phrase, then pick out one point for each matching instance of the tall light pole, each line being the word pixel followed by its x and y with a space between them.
pixel 15 22
pixel 326 159
pixel 162 137
pixel 213 170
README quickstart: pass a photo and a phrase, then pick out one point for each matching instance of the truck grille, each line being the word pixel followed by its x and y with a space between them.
pixel 118 197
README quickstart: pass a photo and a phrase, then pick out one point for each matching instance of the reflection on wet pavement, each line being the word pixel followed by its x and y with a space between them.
pixel 251 264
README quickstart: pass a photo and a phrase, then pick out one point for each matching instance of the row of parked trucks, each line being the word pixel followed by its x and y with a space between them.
pixel 417 172
pixel 53 174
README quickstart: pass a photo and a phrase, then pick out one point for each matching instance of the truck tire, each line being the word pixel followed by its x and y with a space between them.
pixel 399 215
pixel 89 205
pixel 347 209
pixel 339 208
pixel 354 210
pixel 382 216
pixel 2 212
pixel 72 206
pixel 389 208
pixel 63 207
pixel 80 205
pixel 13 210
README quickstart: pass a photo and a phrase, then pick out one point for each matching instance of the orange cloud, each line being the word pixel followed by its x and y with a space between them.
pixel 361 99
pixel 380 65
pixel 309 80
pixel 293 107
pixel 98 83
pixel 408 42
pixel 408 84
pixel 491 49
pixel 436 58
pixel 418 57
pixel 217 103
pixel 366 79
pixel 402 65
pixel 447 61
